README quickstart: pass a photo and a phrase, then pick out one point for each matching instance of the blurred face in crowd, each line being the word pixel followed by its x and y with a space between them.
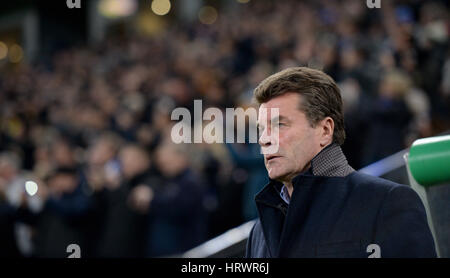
pixel 394 85
pixel 8 169
pixel 63 154
pixel 101 152
pixel 63 183
pixel 133 160
pixel 298 141
pixel 170 160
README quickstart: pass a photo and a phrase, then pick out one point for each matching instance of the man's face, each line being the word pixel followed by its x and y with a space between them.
pixel 297 141
pixel 169 161
pixel 63 183
pixel 133 161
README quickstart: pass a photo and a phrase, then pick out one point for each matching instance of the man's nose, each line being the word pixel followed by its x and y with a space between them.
pixel 264 139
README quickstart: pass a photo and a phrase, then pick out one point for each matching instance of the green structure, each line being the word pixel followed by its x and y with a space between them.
pixel 428 164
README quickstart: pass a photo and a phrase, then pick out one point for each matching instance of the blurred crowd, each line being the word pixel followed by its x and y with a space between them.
pixel 92 127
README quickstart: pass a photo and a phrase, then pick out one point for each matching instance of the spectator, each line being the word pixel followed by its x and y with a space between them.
pixel 123 228
pixel 63 219
pixel 16 207
pixel 175 206
pixel 389 118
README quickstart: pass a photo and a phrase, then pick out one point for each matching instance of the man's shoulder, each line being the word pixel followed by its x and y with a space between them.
pixel 361 181
pixel 378 190
pixel 375 189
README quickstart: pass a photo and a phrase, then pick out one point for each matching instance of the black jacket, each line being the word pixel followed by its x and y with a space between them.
pixel 177 215
pixel 340 217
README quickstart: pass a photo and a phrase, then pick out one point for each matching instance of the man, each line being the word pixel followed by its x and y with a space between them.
pixel 316 205
pixel 118 217
pixel 11 199
pixel 16 208
pixel 177 219
pixel 62 219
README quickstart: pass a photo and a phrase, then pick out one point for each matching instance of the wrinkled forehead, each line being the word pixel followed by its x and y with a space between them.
pixel 284 106
pixel 285 102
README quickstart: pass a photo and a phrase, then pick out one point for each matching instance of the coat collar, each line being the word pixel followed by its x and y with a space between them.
pixel 329 162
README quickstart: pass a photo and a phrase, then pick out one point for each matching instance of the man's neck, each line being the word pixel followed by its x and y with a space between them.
pixel 322 167
pixel 289 187
pixel 289 184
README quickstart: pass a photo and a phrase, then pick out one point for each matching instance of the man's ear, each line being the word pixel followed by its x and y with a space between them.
pixel 326 131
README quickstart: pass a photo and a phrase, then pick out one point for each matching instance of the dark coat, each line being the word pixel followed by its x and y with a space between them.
pixel 177 215
pixel 8 246
pixel 62 222
pixel 386 122
pixel 122 229
pixel 339 217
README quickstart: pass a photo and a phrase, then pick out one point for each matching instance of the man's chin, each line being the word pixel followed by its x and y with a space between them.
pixel 275 175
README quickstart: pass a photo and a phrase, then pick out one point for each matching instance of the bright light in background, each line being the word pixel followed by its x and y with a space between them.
pixel 207 15
pixel 31 187
pixel 243 1
pixel 117 8
pixel 161 7
pixel 3 50
pixel 15 53
pixel 149 23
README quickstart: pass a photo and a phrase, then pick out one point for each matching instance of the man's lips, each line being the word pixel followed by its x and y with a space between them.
pixel 271 157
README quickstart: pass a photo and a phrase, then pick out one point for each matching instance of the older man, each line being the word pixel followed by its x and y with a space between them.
pixel 316 205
